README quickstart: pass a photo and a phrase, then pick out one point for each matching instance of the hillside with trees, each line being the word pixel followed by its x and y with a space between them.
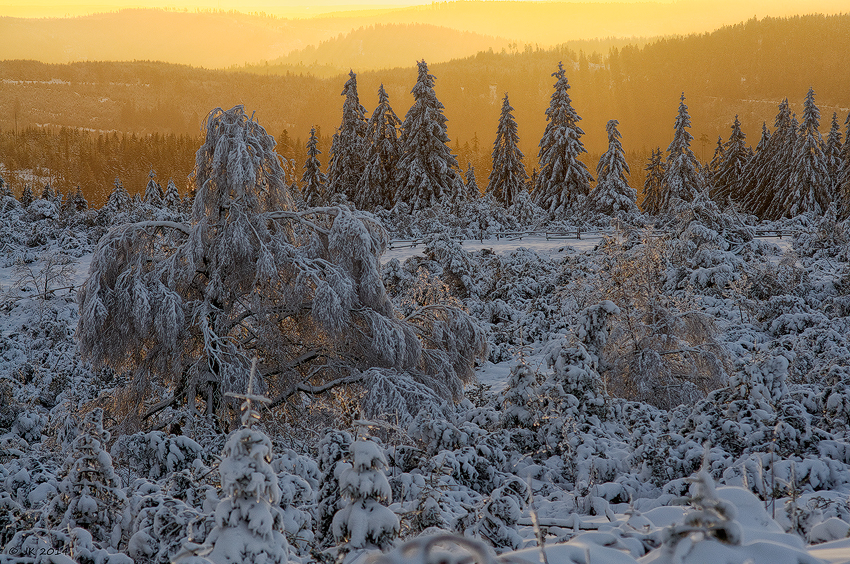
pixel 745 70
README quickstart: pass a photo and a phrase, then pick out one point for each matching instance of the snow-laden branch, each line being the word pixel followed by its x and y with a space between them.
pixel 315 389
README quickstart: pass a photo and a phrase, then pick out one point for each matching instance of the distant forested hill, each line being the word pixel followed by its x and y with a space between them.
pixel 745 69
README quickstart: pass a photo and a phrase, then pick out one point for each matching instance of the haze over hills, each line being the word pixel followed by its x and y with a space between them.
pixel 216 39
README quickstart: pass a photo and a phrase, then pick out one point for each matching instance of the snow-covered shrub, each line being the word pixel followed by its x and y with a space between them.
pixel 661 349
pixel 155 455
pixel 518 397
pixel 454 261
pixel 496 521
pixel 161 525
pixel 29 426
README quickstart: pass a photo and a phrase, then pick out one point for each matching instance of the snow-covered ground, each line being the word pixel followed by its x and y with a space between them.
pixel 550 247
pixel 614 478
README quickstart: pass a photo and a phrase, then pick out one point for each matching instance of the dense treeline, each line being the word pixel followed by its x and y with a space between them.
pixel 68 158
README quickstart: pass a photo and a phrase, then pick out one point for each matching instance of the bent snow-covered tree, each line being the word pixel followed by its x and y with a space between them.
pixel 185 305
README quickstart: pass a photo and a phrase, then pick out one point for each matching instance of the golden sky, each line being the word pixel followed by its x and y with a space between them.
pixel 301 8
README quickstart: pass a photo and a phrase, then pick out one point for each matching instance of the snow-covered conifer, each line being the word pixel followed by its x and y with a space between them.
pixel 153 191
pixel 48 193
pixel 78 201
pixel 365 522
pixel 710 170
pixel 333 449
pixel 518 397
pixel 171 198
pixel 119 199
pixel 729 176
pixel 5 192
pixel 376 186
pixel 348 150
pixel 508 176
pixel 563 181
pixel 499 514
pixel 26 196
pixel 314 182
pixel 808 182
pixel 470 184
pixel 711 516
pixel 652 186
pixel 843 176
pixel 612 194
pixel 682 180
pixel 90 496
pixel 427 172
pixel 834 162
pixel 248 520
pixel 771 177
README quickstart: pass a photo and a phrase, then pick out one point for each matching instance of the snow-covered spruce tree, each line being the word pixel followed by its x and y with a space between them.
pixel 119 199
pixel 248 520
pixel 77 201
pixel 682 180
pixel 246 275
pixel 26 196
pixel 563 181
pixel 333 449
pixel 427 172
pixel 498 516
pixel 753 186
pixel 365 522
pixel 729 176
pixel 652 186
pixel 843 176
pixel 90 495
pixel 711 516
pixel 153 191
pixel 518 397
pixel 348 151
pixel 171 198
pixel 470 184
pixel 709 171
pixel 808 183
pixel 832 153
pixel 48 193
pixel 376 186
pixel 508 176
pixel 769 171
pixel 612 195
pixel 5 192
pixel 314 182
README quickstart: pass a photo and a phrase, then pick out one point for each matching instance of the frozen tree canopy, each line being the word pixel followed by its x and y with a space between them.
pixel 249 275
